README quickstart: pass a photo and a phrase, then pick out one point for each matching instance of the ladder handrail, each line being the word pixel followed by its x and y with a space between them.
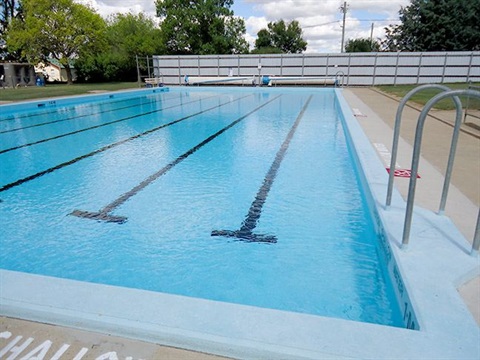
pixel 416 159
pixel 337 74
pixel 396 131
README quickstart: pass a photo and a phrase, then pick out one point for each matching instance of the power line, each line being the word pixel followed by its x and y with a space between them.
pixel 328 23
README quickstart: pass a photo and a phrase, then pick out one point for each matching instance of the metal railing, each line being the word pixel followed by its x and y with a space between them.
pixel 467 106
pixel 396 135
pixel 416 157
pixel 339 74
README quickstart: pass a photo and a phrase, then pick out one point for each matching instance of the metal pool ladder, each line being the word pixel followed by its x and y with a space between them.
pixel 447 92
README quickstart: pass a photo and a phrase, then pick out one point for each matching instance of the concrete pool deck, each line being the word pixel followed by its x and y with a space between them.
pixel 375 114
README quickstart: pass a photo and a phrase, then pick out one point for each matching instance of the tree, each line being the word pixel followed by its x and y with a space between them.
pixel 127 35
pixel 9 9
pixel 436 25
pixel 60 29
pixel 201 27
pixel 361 45
pixel 285 37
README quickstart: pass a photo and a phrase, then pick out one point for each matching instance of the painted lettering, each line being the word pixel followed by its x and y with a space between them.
pixel 398 280
pixel 112 355
pixel 405 312
pixel 60 352
pixel 5 335
pixel 80 354
pixel 10 345
pixel 16 350
pixel 386 248
pixel 39 352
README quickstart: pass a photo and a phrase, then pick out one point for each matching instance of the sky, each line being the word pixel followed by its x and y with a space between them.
pixel 321 20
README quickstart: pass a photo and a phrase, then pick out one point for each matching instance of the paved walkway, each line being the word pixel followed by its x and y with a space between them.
pixel 376 115
pixel 60 343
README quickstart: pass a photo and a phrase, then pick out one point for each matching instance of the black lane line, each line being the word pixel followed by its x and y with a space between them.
pixel 245 233
pixel 97 126
pixel 107 147
pixel 55 109
pixel 76 117
pixel 104 214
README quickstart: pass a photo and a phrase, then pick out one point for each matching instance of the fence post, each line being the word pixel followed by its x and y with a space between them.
pixel 469 66
pixel 139 79
pixel 326 69
pixel 179 71
pixel 396 69
pixel 419 67
pixel 281 64
pixel 374 69
pixel 238 65
pixel 444 67
pixel 303 64
pixel 348 68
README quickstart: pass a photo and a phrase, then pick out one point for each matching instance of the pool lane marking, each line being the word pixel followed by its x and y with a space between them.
pixel 107 147
pixel 245 233
pixel 79 116
pixel 98 126
pixel 104 214
pixel 39 112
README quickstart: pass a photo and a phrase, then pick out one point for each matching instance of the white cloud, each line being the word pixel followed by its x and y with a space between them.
pixel 387 7
pixel 108 7
pixel 321 20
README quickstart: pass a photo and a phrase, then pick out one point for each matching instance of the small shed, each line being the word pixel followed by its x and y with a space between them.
pixel 53 71
pixel 17 74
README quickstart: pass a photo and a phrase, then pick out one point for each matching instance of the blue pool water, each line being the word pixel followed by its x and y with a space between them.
pixel 244 196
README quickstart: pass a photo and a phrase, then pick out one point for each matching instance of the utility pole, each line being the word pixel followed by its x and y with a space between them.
pixel 371 38
pixel 343 9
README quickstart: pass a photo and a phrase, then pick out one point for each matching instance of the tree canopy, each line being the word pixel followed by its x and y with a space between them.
pixel 60 29
pixel 201 27
pixel 127 36
pixel 9 9
pixel 284 37
pixel 361 45
pixel 436 25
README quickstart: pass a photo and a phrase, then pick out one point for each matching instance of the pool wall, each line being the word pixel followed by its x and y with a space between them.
pixel 436 261
pixel 386 255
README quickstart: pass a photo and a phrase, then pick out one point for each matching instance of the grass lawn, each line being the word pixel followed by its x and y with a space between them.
pixel 422 97
pixel 56 90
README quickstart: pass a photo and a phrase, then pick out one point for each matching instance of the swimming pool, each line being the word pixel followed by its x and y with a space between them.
pixel 236 196
pixel 217 226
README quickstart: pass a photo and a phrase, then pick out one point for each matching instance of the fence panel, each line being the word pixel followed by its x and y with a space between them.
pixel 359 68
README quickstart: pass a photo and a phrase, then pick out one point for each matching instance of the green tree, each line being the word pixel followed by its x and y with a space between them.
pixel 9 9
pixel 127 36
pixel 201 27
pixel 287 38
pixel 361 45
pixel 60 29
pixel 436 25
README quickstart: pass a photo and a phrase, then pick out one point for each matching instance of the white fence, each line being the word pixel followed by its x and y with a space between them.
pixel 359 68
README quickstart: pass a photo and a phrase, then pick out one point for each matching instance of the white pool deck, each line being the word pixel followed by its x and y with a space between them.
pixel 436 263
